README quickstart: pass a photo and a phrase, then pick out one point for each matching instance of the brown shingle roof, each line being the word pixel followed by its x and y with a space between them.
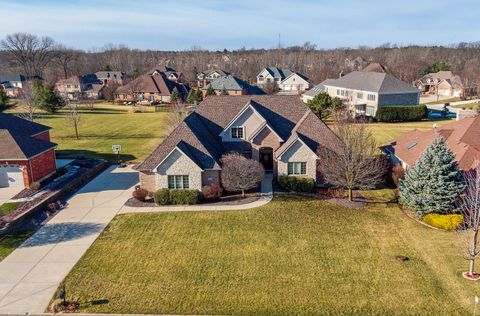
pixel 462 137
pixel 199 132
pixel 156 82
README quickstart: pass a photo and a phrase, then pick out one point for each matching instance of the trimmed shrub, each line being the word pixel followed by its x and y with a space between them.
pixel 162 197
pixel 212 191
pixel 401 113
pixel 140 194
pixel 296 184
pixel 181 197
pixel 446 222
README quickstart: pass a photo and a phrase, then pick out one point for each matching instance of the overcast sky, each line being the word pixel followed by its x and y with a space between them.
pixel 232 24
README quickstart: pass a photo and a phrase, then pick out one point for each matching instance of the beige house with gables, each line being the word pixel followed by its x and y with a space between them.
pixel 279 131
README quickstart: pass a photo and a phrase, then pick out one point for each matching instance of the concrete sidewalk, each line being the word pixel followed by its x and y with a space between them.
pixel 266 196
pixel 30 275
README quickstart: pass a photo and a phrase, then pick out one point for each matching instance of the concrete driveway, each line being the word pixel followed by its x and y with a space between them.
pixel 7 193
pixel 30 275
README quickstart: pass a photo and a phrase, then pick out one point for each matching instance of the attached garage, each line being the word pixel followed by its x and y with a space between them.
pixel 11 176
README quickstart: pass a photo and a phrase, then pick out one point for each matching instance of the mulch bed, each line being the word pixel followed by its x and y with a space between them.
pixel 224 200
pixel 358 201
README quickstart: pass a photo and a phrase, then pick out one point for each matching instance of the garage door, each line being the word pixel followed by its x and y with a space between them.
pixel 11 176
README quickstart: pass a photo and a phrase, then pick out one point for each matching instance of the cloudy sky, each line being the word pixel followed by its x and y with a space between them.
pixel 232 24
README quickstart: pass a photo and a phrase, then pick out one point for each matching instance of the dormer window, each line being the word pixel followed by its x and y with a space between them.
pixel 237 132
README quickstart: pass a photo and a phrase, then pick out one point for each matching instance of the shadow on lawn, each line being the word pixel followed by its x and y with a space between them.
pixel 55 233
pixel 69 154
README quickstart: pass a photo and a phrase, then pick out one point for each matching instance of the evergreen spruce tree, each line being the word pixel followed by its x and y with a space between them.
pixel 434 182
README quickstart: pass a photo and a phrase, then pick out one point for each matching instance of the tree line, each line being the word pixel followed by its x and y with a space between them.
pixel 43 56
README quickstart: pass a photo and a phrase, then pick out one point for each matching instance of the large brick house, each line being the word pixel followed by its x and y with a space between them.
pixel 26 153
pixel 154 87
pixel 279 131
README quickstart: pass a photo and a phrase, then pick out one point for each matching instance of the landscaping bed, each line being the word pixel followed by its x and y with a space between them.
pixel 235 199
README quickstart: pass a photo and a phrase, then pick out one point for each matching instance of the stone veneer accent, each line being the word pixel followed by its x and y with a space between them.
pixel 298 153
pixel 178 164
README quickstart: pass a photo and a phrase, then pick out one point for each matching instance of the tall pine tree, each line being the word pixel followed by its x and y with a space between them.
pixel 434 182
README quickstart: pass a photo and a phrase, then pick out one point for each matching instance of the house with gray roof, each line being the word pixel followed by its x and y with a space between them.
pixel 365 91
pixel 279 131
pixel 285 79
pixel 13 84
pixel 231 85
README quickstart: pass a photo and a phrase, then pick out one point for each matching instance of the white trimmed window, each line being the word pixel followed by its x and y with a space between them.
pixel 178 182
pixel 237 132
pixel 297 168
pixel 371 97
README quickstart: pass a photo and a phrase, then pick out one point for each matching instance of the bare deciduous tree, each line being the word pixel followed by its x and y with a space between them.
pixel 354 162
pixel 468 204
pixel 240 173
pixel 30 102
pixel 29 51
pixel 175 117
pixel 65 57
pixel 73 118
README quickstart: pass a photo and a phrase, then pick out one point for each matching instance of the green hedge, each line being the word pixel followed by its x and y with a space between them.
pixel 176 196
pixel 401 113
pixel 296 184
pixel 447 222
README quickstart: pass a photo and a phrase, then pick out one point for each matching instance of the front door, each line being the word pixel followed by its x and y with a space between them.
pixel 266 158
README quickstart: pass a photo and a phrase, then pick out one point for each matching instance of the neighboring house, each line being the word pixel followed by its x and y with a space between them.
pixel 273 74
pixel 79 87
pixel 210 75
pixel 70 88
pixel 170 73
pixel 364 92
pixel 279 131
pixel 106 77
pixel 151 88
pixel 295 82
pixel 231 85
pixel 26 153
pixel 13 84
pixel 443 83
pixel 462 137
pixel 284 78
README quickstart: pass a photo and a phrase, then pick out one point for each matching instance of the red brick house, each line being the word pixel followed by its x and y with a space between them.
pixel 26 153
pixel 461 137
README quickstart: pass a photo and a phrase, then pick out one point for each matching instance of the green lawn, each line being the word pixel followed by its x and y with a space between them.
pixel 444 101
pixel 292 256
pixel 9 243
pixel 386 132
pixel 468 106
pixel 107 125
pixel 8 207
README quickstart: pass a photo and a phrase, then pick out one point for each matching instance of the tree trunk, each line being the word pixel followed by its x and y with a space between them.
pixel 350 194
pixel 76 131
pixel 243 193
pixel 474 251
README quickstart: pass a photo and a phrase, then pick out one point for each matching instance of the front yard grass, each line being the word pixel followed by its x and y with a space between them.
pixel 9 243
pixel 106 125
pixel 6 208
pixel 386 132
pixel 292 256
